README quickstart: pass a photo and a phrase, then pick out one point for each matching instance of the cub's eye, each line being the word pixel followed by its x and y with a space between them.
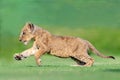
pixel 24 33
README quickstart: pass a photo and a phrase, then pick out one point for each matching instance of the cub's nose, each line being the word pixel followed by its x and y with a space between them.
pixel 20 40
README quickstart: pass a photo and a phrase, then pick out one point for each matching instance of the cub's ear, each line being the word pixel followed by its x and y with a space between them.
pixel 30 26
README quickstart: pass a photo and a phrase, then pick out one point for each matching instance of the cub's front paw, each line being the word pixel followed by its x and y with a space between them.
pixel 38 61
pixel 18 57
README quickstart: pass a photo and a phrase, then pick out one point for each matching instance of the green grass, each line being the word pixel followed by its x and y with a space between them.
pixel 54 68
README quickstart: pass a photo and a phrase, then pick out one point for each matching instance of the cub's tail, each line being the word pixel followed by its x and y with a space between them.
pixel 94 50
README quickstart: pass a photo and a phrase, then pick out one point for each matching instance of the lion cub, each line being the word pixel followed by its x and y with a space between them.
pixel 61 46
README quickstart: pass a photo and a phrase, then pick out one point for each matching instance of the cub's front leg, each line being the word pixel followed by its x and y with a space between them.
pixel 38 54
pixel 25 54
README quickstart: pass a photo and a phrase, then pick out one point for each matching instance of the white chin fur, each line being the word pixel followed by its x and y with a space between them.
pixel 25 43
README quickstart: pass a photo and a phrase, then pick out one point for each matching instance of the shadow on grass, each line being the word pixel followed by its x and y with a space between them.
pixel 112 70
pixel 49 66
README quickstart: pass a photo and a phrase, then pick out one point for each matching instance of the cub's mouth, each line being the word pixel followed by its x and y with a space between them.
pixel 25 42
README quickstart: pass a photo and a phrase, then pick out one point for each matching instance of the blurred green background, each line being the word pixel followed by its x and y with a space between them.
pixel 95 20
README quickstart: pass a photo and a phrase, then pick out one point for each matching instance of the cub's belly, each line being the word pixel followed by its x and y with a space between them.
pixel 60 53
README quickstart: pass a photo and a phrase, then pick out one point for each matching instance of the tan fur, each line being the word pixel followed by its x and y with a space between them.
pixel 61 46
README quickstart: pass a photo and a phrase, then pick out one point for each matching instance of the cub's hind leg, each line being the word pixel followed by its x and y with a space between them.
pixel 83 60
pixel 79 62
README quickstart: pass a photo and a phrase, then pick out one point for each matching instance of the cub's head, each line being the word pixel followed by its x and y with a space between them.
pixel 27 33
